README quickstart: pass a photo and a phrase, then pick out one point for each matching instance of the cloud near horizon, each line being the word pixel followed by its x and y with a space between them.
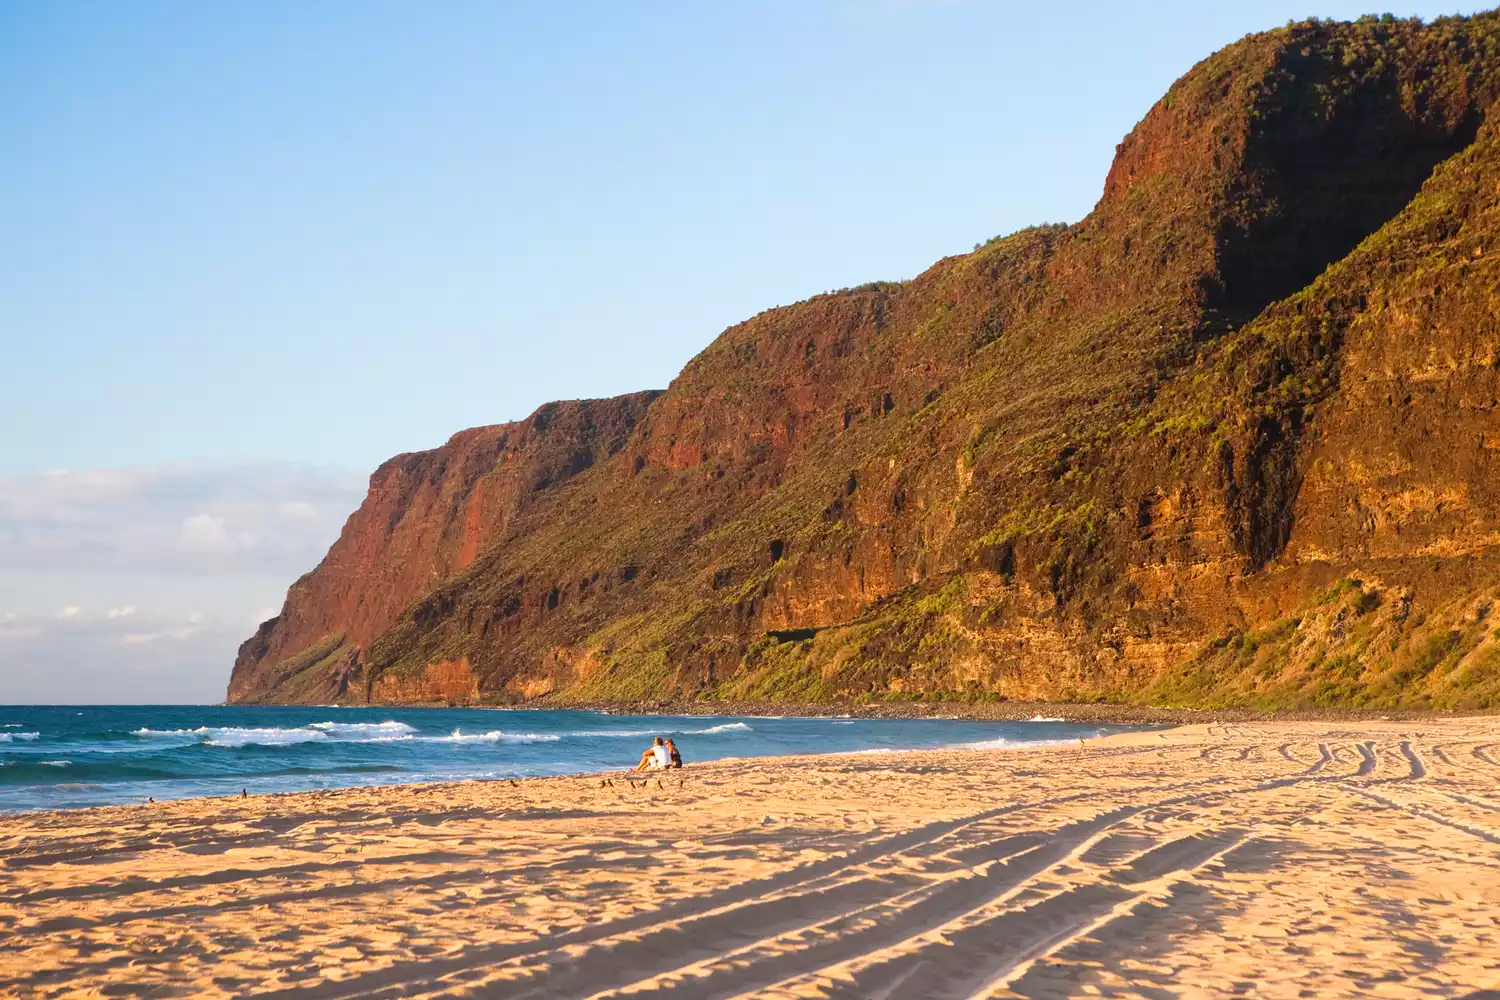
pixel 138 584
pixel 102 659
pixel 176 519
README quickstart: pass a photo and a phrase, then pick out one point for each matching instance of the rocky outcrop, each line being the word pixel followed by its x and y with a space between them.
pixel 1064 465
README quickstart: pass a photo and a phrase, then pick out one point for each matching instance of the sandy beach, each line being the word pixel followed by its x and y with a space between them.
pixel 1272 859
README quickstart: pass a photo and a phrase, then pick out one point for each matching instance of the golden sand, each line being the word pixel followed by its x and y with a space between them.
pixel 1273 860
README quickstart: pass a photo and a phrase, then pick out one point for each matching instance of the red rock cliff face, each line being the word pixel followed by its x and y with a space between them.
pixel 426 517
pixel 1077 462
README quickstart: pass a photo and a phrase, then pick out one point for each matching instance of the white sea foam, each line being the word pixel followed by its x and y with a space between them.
pixel 728 727
pixel 317 732
pixel 360 731
pixel 8 737
pixel 1045 718
pixel 55 763
pixel 493 736
pixel 1004 744
pixel 234 736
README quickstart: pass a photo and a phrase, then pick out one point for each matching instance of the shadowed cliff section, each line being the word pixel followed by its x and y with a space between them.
pixel 1061 466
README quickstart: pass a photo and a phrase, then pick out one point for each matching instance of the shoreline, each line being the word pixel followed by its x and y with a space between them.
pixel 622 772
pixel 1106 713
pixel 1302 858
pixel 1103 713
pixel 1083 714
pixel 977 745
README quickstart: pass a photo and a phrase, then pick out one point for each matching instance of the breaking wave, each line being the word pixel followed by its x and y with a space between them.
pixel 493 736
pixel 273 736
pixel 728 727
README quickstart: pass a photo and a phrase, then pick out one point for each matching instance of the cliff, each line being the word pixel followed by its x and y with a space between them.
pixel 426 517
pixel 1229 439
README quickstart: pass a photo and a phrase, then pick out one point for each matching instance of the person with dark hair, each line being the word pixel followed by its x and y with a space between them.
pixel 673 753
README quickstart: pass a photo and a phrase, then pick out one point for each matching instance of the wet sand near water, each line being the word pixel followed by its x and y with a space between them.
pixel 1265 860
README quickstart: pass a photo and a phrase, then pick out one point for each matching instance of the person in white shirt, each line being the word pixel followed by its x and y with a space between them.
pixel 656 757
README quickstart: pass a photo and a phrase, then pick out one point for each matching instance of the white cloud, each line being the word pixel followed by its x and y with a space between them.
pixel 207 534
pixel 146 658
pixel 298 510
pixel 268 517
pixel 180 557
pixel 179 634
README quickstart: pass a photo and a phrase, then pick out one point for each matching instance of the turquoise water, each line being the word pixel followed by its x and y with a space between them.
pixel 63 757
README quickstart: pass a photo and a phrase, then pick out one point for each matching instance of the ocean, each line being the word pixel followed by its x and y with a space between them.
pixel 58 757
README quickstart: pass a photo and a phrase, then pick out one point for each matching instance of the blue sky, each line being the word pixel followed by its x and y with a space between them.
pixel 247 238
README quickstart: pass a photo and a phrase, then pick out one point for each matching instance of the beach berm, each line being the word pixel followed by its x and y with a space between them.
pixel 1275 859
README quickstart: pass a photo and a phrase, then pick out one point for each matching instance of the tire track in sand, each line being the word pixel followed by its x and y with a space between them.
pixel 809 952
pixel 740 907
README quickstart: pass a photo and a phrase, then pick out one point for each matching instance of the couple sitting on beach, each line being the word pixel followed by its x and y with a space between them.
pixel 659 756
